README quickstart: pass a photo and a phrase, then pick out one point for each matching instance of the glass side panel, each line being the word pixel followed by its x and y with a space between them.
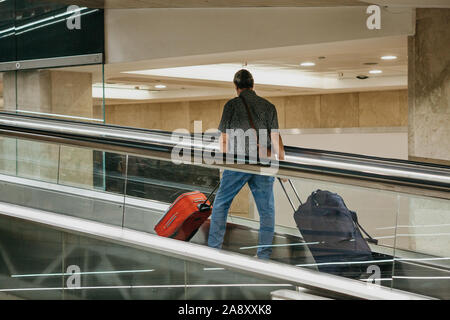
pixel 206 282
pixel 61 179
pixel 355 256
pixel 8 91
pixel 109 271
pixel 374 210
pixel 8 156
pixel 422 246
pixel 410 231
pixel 37 160
pixel 41 263
pixel 163 181
pixel 31 261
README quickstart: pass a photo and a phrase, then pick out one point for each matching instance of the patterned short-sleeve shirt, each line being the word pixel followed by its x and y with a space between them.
pixel 235 117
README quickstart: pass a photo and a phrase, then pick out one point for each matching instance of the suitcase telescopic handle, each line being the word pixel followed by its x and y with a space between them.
pixel 210 195
pixel 287 195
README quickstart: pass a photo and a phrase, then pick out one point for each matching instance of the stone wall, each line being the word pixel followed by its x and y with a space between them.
pixel 341 110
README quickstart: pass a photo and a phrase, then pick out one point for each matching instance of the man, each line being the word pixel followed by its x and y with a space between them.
pixel 246 111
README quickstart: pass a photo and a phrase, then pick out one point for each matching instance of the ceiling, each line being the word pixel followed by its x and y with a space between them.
pixel 277 72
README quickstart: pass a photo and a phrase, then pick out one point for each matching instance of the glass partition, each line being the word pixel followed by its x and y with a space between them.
pixel 42 263
pixel 379 212
pixel 134 192
pixel 422 246
pixel 61 179
pixel 71 93
pixel 52 60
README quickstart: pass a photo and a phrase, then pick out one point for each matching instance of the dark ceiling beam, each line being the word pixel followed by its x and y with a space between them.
pixel 130 4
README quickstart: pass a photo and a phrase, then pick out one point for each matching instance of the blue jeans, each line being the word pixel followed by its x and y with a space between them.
pixel 262 190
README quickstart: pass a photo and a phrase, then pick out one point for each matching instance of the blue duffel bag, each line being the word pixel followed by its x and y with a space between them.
pixel 332 233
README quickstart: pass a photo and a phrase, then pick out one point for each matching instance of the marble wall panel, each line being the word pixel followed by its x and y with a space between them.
pixel 380 109
pixel 175 115
pixel 280 105
pixel 302 111
pixel 208 112
pixel 339 110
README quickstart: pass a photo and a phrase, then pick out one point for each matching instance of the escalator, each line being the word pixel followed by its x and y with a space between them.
pixel 124 178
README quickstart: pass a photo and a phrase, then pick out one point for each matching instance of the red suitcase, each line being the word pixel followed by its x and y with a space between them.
pixel 185 216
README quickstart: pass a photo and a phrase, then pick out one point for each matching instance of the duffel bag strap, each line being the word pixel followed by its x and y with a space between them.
pixel 355 219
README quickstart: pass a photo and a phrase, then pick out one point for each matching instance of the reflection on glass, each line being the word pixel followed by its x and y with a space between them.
pixel 205 282
pixel 28 249
pixel 163 180
pixel 8 91
pixel 59 179
pixel 7 40
pixel 39 25
pixel 37 160
pixel 8 156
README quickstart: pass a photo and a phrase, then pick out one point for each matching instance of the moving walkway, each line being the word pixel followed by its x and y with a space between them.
pixel 104 187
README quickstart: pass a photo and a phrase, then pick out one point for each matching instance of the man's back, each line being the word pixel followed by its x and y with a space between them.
pixel 235 116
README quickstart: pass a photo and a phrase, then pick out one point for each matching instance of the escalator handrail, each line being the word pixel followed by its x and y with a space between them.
pixel 297 160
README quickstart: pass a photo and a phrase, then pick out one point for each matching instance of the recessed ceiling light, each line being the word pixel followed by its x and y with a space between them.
pixel 307 64
pixel 389 57
pixel 160 86
pixel 375 71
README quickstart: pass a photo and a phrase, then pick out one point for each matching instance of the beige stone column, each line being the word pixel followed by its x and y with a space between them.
pixel 429 85
pixel 53 93
pixel 427 220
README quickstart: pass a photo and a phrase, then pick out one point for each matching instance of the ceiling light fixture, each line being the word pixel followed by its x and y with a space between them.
pixel 307 64
pixel 389 57
pixel 375 71
pixel 160 86
pixel 263 75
